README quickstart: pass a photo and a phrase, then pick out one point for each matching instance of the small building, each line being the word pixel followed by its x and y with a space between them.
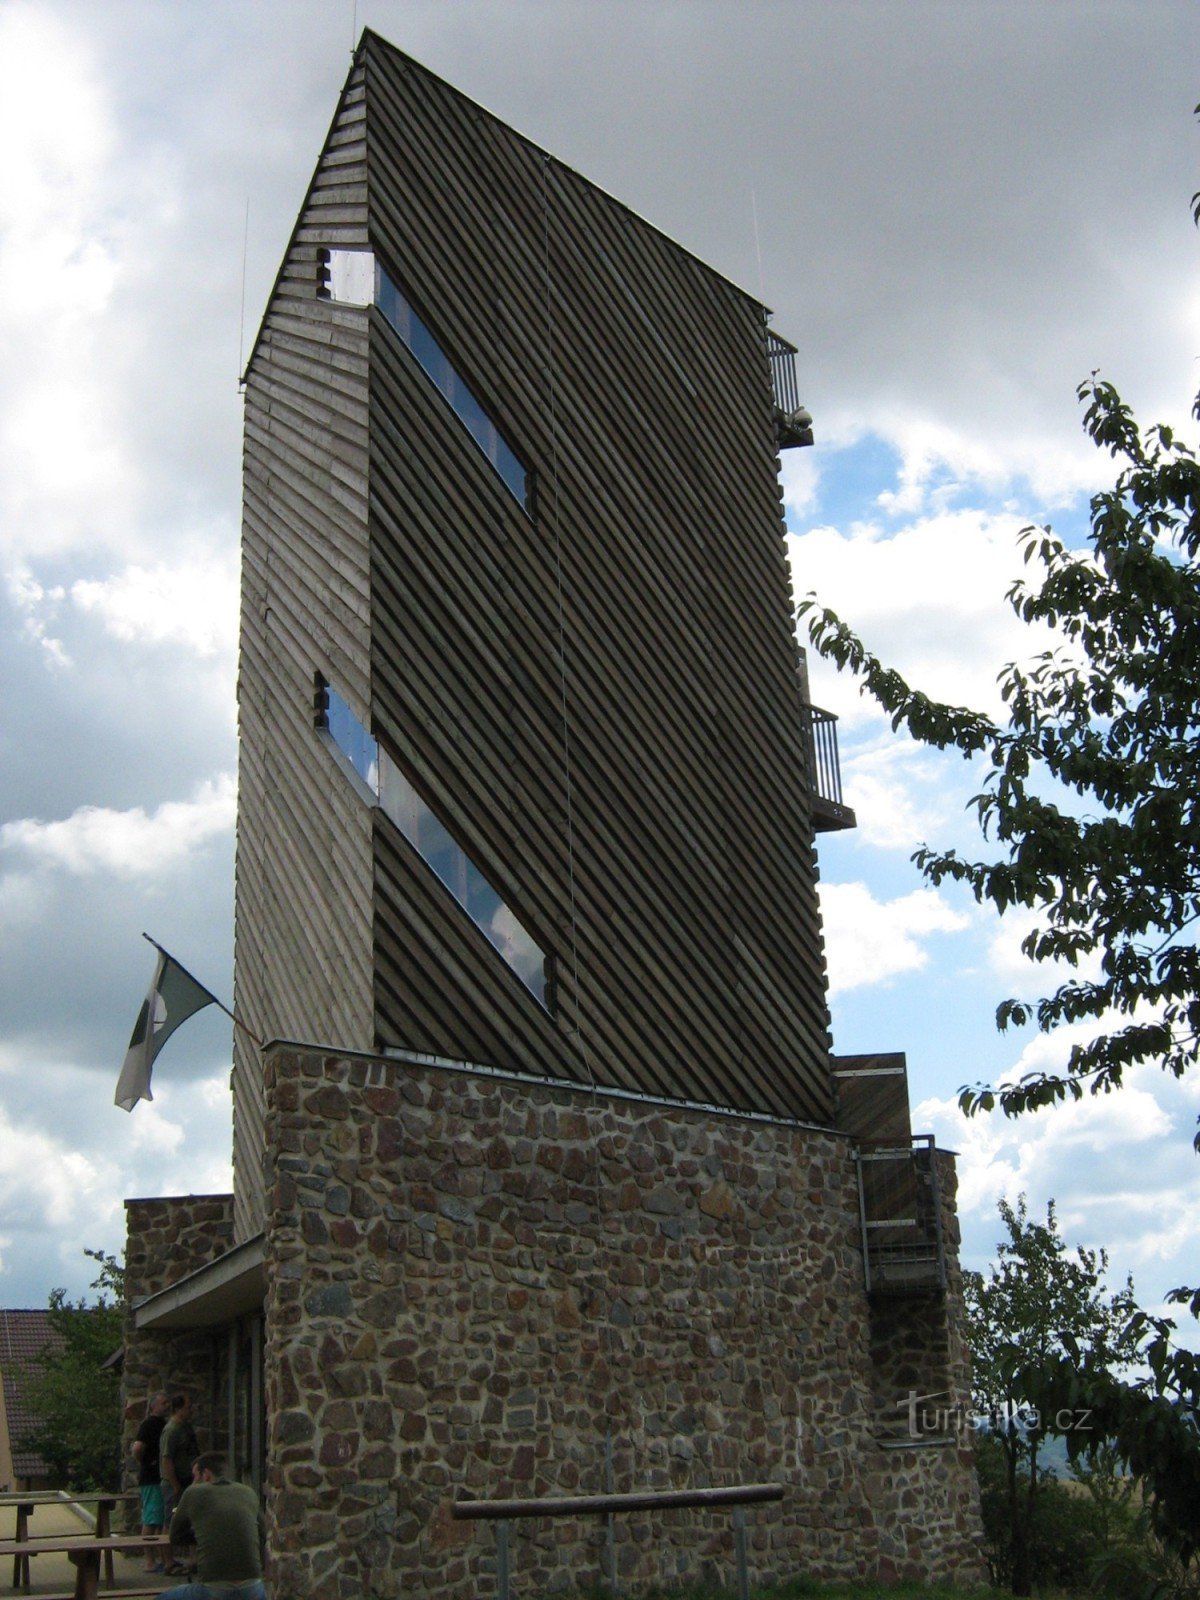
pixel 547 1180
pixel 25 1336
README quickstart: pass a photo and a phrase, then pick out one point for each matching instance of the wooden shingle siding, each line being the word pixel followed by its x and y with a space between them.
pixel 634 382
pixel 872 1093
pixel 304 903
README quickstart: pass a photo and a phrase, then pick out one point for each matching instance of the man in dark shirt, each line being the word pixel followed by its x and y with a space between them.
pixel 224 1521
pixel 145 1453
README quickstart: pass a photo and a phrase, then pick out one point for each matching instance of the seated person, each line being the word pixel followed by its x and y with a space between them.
pixel 224 1521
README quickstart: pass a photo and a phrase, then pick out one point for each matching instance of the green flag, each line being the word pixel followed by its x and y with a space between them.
pixel 174 996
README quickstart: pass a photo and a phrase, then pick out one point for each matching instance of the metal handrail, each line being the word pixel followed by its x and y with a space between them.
pixel 600 1505
pixel 900 1216
pixel 609 1505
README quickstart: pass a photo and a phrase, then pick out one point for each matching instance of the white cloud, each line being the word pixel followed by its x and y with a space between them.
pixel 42 1178
pixel 149 1129
pixel 57 273
pixel 928 599
pixel 193 604
pixel 21 901
pixel 801 479
pixel 82 210
pixel 191 1119
pixel 869 941
pixel 1041 1152
pixel 1120 1168
pixel 1007 962
pixel 61 1190
pixel 57 131
pixel 899 793
pixel 129 844
pixel 934 454
pixel 39 606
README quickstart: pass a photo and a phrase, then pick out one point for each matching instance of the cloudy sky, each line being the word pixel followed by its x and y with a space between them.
pixel 957 208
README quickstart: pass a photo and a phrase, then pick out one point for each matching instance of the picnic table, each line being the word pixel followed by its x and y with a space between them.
pixel 85 1551
pixel 26 1502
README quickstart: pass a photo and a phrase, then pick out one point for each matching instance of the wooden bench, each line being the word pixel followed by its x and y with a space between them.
pixel 87 1551
pixel 25 1505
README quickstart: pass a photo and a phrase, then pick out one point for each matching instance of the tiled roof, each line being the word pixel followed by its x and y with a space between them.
pixel 23 1337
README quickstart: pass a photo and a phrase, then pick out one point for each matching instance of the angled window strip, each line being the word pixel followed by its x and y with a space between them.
pixel 401 803
pixel 356 751
pixel 441 372
pixel 381 782
pixel 355 278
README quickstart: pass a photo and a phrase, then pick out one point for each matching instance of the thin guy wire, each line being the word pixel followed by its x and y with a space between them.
pixel 560 608
pixel 606 1334
pixel 242 312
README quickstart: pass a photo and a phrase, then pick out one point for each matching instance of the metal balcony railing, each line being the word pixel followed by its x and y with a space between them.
pixel 830 812
pixel 783 371
pixel 901 1214
pixel 793 425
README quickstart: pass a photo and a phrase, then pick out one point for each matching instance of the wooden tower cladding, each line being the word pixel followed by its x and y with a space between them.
pixel 304 879
pixel 590 684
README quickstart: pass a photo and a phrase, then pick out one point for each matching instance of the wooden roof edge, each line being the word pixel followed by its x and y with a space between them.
pixel 356 61
pixel 369 39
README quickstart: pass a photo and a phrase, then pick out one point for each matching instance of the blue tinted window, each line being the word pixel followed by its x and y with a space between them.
pixel 442 374
pixel 400 801
pixel 349 735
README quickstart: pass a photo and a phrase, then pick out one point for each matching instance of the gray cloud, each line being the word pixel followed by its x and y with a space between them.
pixel 961 209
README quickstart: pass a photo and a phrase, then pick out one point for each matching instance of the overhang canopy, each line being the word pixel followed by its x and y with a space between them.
pixel 226 1288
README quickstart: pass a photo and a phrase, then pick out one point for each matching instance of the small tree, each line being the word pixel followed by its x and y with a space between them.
pixel 75 1396
pixel 1036 1298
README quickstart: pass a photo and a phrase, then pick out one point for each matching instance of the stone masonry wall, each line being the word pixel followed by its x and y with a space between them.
pixel 165 1240
pixel 919 1354
pixel 922 1386
pixel 476 1285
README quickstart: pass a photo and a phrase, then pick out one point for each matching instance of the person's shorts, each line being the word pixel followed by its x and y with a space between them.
pixel 152 1505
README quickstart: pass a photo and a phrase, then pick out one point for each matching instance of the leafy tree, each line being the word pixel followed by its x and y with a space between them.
pixel 1092 800
pixel 1092 788
pixel 1038 1299
pixel 1152 1421
pixel 1067 1538
pixel 75 1396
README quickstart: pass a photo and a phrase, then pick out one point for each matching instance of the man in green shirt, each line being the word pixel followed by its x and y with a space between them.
pixel 224 1521
pixel 177 1452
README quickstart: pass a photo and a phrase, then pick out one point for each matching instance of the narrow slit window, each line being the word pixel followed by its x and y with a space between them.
pixel 449 861
pixel 381 783
pixel 347 735
pixel 438 367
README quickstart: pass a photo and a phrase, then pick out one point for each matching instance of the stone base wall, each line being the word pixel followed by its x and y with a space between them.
pixel 478 1287
pixel 924 1494
pixel 919 1357
pixel 910 1364
pixel 165 1240
pixel 926 1499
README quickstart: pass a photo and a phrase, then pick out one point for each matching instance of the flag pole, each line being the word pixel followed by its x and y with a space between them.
pixel 220 1004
